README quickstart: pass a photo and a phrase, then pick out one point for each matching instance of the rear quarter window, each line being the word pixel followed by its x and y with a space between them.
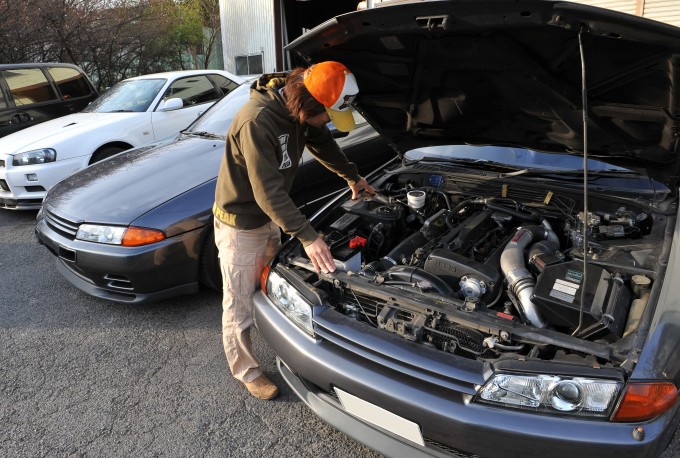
pixel 28 86
pixel 71 83
pixel 225 84
pixel 3 102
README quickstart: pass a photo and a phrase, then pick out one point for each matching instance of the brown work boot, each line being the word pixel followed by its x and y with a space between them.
pixel 262 388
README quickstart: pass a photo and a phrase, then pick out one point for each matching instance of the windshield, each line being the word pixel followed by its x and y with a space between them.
pixel 217 119
pixel 127 96
pixel 516 157
pixel 534 161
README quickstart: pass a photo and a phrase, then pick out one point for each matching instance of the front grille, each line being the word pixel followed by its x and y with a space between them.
pixel 369 306
pixel 447 336
pixel 61 225
pixel 3 185
pixel 2 162
pixel 456 339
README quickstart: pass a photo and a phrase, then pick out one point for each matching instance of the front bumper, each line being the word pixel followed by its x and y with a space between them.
pixel 436 395
pixel 328 409
pixel 127 274
pixel 18 192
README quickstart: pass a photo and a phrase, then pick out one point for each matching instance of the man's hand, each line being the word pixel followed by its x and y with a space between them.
pixel 321 256
pixel 360 185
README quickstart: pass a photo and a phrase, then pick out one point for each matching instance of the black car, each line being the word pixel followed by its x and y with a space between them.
pixel 33 93
pixel 138 227
pixel 511 289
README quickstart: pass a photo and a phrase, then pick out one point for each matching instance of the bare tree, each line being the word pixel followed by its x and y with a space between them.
pixel 110 39
pixel 212 26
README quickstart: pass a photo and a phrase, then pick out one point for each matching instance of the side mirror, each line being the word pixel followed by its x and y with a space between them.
pixel 174 103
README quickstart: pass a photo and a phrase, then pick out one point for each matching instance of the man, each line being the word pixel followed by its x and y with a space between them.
pixel 265 142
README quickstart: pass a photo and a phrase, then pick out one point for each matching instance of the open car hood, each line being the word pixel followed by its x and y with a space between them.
pixel 509 73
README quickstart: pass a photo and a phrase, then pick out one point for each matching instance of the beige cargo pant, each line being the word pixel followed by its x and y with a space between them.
pixel 243 254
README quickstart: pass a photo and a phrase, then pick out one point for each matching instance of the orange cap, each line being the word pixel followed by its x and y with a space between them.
pixel 334 86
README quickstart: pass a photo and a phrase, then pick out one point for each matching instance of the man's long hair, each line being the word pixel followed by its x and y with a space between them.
pixel 301 104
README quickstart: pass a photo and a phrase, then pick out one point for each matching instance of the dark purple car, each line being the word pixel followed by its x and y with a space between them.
pixel 497 298
pixel 138 227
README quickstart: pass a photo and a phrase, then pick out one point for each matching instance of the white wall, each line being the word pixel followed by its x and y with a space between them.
pixel 248 28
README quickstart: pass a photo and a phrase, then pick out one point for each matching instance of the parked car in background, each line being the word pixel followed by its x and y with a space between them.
pixel 34 93
pixel 138 227
pixel 496 298
pixel 133 113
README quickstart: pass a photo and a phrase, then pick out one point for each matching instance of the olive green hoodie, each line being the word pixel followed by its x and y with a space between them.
pixel 264 146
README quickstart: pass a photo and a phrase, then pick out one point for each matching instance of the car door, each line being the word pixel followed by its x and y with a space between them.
pixel 30 100
pixel 197 93
pixel 6 126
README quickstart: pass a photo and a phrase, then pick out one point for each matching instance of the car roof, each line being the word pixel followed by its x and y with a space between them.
pixel 37 65
pixel 180 73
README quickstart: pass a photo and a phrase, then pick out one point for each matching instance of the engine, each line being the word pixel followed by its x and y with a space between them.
pixel 493 258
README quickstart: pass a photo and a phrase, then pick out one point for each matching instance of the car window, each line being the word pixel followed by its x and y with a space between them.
pixel 218 118
pixel 192 90
pixel 71 83
pixel 127 96
pixel 225 84
pixel 3 102
pixel 28 86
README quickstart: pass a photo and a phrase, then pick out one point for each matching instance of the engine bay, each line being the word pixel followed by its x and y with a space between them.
pixel 496 269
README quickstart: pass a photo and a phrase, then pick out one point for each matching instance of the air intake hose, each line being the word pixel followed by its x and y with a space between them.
pixel 520 282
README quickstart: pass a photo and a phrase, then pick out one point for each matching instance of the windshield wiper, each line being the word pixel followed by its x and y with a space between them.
pixel 481 164
pixel 203 134
pixel 616 173
pixel 508 171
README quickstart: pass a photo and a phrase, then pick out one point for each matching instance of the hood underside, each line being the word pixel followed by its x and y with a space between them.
pixel 509 73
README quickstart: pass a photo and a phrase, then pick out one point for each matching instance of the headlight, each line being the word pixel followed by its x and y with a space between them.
pixel 116 235
pixel 290 302
pixel 553 394
pixel 39 156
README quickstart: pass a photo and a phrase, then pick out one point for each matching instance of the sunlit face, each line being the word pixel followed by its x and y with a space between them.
pixel 319 120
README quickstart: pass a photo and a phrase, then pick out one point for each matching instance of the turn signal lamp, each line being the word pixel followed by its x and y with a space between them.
pixel 646 400
pixel 137 236
pixel 263 278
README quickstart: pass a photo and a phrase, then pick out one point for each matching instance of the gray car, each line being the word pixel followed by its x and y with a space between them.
pixel 510 290
pixel 137 227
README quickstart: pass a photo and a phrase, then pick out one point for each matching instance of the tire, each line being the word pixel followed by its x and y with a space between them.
pixel 105 152
pixel 209 273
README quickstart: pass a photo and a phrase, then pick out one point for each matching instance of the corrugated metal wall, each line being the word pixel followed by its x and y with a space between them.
pixel 660 10
pixel 248 28
pixel 625 6
pixel 663 10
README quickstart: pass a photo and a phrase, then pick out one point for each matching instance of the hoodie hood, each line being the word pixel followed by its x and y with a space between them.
pixel 509 72
pixel 269 86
